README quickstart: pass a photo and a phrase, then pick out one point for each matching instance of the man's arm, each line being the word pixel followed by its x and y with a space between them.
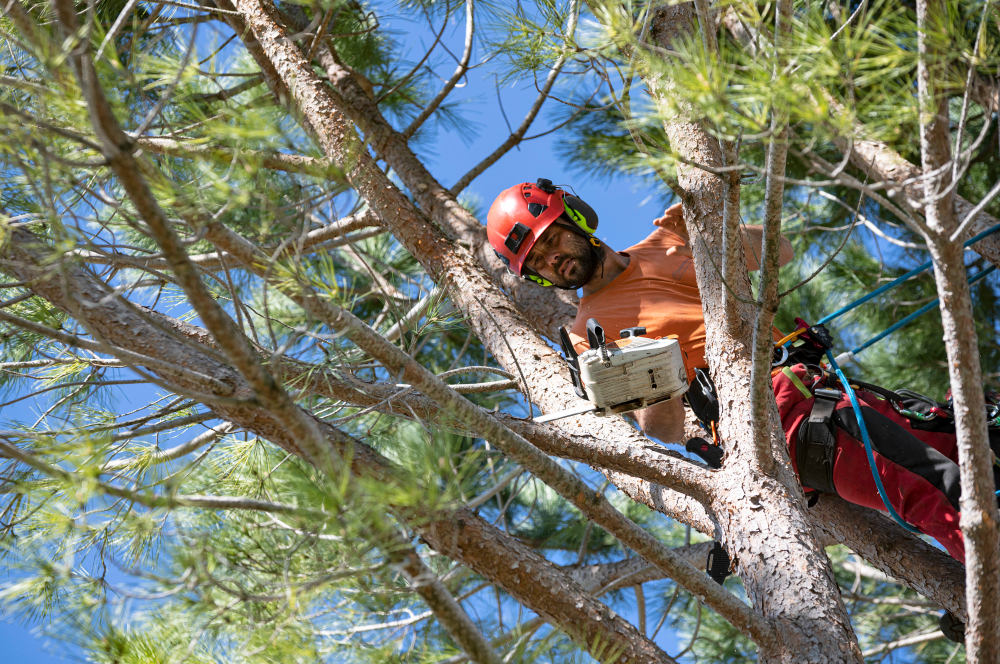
pixel 753 238
pixel 753 244
pixel 663 421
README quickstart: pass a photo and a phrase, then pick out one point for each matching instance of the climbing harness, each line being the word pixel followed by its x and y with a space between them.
pixel 817 444
pixel 816 441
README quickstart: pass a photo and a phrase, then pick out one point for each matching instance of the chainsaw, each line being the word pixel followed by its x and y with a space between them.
pixel 621 376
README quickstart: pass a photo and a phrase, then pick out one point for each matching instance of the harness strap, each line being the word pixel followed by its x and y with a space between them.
pixel 817 443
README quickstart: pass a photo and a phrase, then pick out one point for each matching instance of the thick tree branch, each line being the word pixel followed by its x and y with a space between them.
pixel 498 325
pixel 890 549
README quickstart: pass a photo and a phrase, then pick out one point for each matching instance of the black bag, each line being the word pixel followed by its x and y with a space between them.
pixel 703 399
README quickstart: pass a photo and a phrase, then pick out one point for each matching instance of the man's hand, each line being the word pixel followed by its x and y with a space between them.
pixel 673 221
pixel 753 237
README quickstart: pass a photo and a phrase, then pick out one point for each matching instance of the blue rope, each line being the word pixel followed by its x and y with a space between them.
pixel 982 274
pixel 868 444
pixel 909 275
pixel 889 286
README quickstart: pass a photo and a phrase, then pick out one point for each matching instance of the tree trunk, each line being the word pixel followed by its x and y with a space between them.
pixel 762 519
pixel 979 506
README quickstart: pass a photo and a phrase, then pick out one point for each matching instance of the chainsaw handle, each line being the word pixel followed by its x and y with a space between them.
pixel 574 363
pixel 595 334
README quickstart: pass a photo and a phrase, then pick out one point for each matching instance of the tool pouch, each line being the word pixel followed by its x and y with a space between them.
pixel 817 443
pixel 702 398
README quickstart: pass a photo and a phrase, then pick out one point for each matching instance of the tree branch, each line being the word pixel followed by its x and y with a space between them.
pixel 176 452
pixel 979 515
pixel 275 161
pixel 463 67
pixel 519 133
pixel 761 393
pixel 448 612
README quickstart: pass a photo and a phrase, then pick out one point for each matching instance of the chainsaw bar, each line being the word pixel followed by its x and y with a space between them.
pixel 569 412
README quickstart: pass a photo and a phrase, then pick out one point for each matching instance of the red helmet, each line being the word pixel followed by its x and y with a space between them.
pixel 520 215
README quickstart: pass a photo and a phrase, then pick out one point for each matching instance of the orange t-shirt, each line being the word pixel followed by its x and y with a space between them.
pixel 656 291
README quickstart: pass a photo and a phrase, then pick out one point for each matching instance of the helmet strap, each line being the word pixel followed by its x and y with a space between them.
pixel 598 250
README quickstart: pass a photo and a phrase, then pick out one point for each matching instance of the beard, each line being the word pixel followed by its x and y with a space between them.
pixel 585 257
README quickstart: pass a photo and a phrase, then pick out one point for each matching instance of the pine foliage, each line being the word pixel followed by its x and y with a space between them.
pixel 101 537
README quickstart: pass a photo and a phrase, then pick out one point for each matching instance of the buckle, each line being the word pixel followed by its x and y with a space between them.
pixel 826 393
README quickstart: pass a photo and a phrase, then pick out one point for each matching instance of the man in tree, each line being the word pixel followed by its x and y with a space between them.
pixel 651 284
pixel 546 235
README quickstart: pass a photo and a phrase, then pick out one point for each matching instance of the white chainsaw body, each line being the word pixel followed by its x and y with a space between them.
pixel 633 373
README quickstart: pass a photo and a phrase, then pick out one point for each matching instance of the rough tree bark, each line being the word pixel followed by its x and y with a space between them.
pixel 978 504
pixel 803 597
pixel 890 549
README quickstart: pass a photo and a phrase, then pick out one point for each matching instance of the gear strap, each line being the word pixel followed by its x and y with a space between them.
pixel 817 443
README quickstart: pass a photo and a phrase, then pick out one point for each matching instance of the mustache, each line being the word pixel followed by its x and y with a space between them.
pixel 580 257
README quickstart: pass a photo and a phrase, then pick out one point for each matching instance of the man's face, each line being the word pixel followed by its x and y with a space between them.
pixel 562 256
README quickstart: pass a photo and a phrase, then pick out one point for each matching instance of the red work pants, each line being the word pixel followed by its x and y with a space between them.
pixel 918 468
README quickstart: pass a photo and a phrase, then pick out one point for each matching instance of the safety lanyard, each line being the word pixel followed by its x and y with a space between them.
pixel 867 443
